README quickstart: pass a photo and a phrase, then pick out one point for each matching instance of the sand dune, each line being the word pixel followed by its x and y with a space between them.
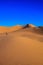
pixel 9 29
pixel 3 29
pixel 30 27
pixel 34 29
pixel 22 47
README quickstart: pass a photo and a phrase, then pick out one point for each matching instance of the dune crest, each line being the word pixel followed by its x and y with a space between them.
pixel 29 27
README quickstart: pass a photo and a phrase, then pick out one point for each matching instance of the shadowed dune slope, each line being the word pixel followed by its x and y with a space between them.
pixel 34 29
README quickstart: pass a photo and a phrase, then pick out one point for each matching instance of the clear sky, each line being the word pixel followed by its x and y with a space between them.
pixel 14 12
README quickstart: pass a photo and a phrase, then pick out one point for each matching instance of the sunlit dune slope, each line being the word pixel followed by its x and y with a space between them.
pixel 14 28
pixel 3 29
pixel 9 29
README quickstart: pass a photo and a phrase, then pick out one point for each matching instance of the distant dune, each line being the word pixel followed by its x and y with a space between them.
pixel 9 29
pixel 30 27
pixel 14 28
pixel 21 45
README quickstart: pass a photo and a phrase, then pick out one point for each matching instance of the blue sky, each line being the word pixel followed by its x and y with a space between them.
pixel 20 12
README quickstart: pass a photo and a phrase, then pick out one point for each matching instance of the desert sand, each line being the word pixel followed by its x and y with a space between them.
pixel 4 29
pixel 21 47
